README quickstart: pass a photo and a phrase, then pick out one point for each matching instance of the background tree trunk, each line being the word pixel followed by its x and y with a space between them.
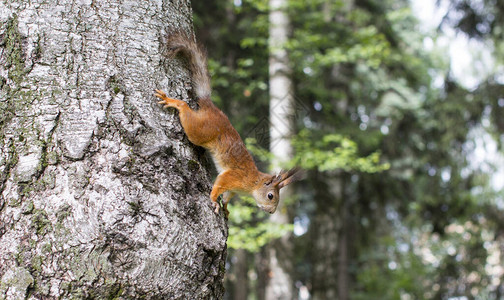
pixel 240 286
pixel 101 194
pixel 329 244
pixel 279 284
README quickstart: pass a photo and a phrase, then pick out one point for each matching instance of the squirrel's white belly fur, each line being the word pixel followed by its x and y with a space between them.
pixel 217 163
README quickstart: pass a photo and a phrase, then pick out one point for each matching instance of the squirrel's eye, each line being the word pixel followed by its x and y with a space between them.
pixel 270 196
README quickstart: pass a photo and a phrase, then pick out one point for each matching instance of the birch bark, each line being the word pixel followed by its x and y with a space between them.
pixel 101 194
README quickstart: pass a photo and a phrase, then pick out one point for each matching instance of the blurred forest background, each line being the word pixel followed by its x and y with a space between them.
pixel 400 131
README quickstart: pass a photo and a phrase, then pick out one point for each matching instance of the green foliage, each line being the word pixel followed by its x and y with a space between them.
pixel 259 152
pixel 333 152
pixel 249 228
pixel 368 46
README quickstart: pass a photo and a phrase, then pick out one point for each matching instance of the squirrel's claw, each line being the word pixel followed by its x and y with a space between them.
pixel 160 94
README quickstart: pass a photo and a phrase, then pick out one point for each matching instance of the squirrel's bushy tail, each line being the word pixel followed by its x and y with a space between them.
pixel 180 42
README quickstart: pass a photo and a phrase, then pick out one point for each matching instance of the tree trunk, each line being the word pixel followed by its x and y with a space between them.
pixel 101 194
pixel 329 247
pixel 240 272
pixel 280 285
pixel 343 257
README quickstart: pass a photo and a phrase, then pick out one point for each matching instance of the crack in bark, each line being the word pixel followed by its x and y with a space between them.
pixel 45 145
pixel 12 157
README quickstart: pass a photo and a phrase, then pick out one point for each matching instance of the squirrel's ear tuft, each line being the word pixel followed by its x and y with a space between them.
pixel 287 177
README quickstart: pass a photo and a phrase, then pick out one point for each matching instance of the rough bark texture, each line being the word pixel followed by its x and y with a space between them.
pixel 101 194
pixel 280 285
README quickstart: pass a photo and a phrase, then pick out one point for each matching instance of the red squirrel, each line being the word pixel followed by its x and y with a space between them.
pixel 210 128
